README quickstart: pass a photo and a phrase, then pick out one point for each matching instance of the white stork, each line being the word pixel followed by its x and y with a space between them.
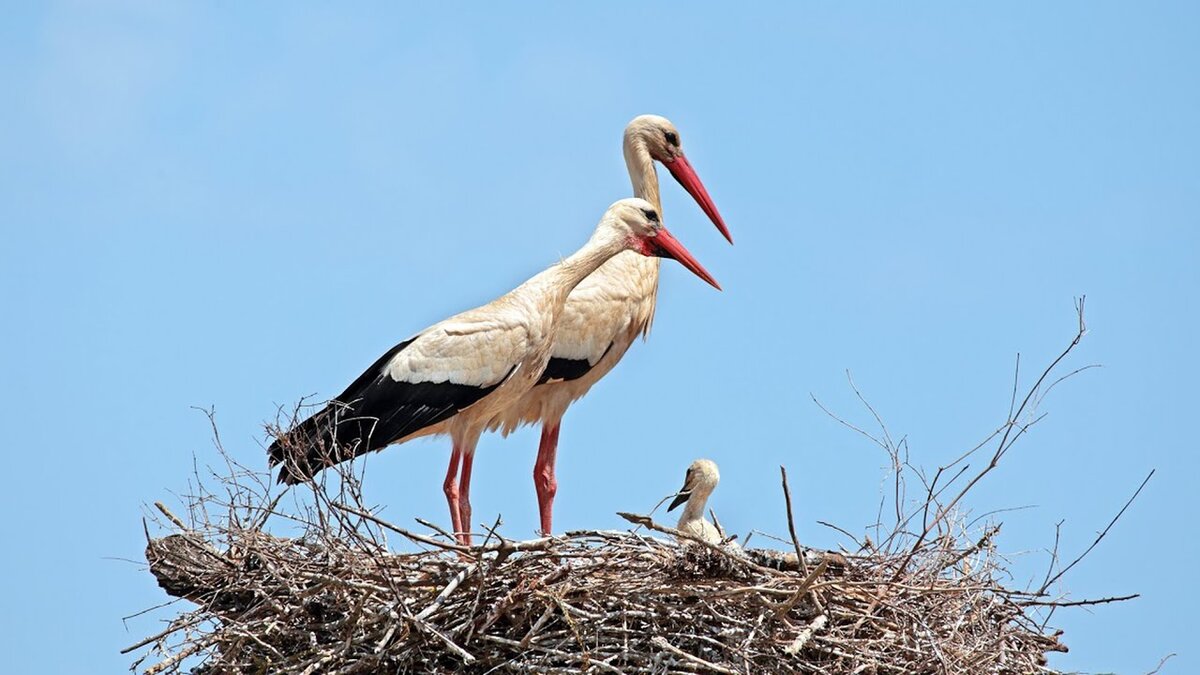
pixel 701 479
pixel 604 314
pixel 457 374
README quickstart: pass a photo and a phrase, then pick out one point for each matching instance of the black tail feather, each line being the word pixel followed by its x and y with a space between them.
pixel 340 432
pixel 373 412
pixel 331 436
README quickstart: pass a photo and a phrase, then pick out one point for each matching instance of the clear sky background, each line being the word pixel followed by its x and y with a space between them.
pixel 211 205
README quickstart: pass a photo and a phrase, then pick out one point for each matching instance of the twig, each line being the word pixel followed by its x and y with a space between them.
pixel 441 597
pixel 787 498
pixel 1079 603
pixel 164 633
pixel 804 587
pixel 1117 517
pixel 969 551
pixel 171 517
pixel 420 538
pixel 1161 663
pixel 662 643
pixel 183 653
pixel 806 634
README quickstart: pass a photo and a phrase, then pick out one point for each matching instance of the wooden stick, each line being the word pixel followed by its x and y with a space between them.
pixel 661 642
pixel 787 498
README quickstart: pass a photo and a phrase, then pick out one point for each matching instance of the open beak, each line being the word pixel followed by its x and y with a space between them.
pixel 665 245
pixel 679 499
pixel 683 172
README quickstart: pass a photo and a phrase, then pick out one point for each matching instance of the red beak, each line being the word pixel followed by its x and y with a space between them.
pixel 665 245
pixel 686 175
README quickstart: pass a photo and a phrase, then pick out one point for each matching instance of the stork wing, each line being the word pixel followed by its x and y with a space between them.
pixel 416 384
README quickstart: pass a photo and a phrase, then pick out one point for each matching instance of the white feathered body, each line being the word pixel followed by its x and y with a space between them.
pixel 699 526
pixel 602 318
pixel 506 342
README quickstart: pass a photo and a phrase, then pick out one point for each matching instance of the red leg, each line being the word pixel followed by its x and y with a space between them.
pixel 543 475
pixel 450 487
pixel 464 497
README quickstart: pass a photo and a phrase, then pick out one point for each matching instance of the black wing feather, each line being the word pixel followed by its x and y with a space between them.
pixel 562 370
pixel 371 413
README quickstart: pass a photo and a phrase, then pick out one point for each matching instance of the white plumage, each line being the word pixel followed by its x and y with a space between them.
pixel 478 348
pixel 701 479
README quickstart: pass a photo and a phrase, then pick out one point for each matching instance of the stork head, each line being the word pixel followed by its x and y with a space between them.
pixel 661 139
pixel 637 222
pixel 701 479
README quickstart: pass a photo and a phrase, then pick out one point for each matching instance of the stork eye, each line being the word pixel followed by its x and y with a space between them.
pixel 672 137
pixel 651 215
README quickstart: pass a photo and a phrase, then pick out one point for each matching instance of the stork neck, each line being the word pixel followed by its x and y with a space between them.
pixel 642 172
pixel 566 275
pixel 694 508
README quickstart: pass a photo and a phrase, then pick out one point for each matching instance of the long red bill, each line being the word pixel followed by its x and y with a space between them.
pixel 665 245
pixel 683 172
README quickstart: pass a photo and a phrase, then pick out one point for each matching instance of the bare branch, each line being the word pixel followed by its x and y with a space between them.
pixel 1099 537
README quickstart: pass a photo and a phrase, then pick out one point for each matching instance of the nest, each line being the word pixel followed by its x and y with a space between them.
pixel 336 599
pixel 336 596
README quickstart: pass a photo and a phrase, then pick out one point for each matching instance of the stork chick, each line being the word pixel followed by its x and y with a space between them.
pixel 702 478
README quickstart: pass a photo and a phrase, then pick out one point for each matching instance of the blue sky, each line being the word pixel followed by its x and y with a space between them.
pixel 212 205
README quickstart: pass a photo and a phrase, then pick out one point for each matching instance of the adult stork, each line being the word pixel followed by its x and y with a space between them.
pixel 607 311
pixel 457 374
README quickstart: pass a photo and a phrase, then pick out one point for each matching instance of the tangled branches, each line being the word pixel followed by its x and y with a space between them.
pixel 336 597
pixel 605 600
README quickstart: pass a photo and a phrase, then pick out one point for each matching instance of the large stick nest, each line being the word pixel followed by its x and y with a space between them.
pixel 337 597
